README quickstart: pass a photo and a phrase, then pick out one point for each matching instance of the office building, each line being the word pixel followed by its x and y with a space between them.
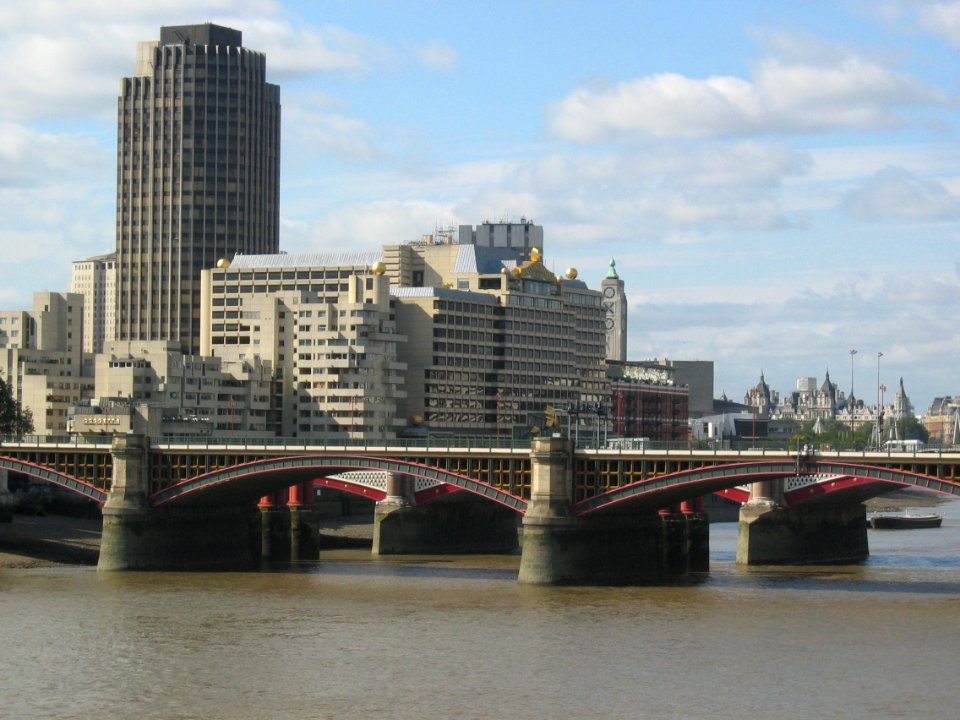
pixel 495 340
pixel 96 279
pixel 41 358
pixel 647 401
pixel 325 323
pixel 153 386
pixel 522 237
pixel 198 164
pixel 427 337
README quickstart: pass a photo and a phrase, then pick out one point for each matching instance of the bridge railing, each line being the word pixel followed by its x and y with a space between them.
pixel 480 442
pixel 59 440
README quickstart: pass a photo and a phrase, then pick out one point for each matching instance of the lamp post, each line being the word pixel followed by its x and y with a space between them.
pixel 850 407
pixel 852 353
pixel 879 402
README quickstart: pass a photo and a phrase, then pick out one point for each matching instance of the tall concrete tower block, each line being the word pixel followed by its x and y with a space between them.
pixel 198 174
pixel 615 314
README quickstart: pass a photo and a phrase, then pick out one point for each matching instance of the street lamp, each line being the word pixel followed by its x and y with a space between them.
pixel 879 402
pixel 852 353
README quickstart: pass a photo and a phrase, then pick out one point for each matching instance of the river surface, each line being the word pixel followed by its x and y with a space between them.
pixel 457 637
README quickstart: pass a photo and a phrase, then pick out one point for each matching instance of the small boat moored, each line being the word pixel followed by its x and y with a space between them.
pixel 905 521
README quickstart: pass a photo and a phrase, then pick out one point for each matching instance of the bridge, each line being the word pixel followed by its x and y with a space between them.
pixel 165 503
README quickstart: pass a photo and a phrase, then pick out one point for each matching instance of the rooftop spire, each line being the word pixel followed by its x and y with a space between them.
pixel 612 272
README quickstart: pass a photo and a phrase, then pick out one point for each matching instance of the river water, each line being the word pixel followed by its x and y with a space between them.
pixel 457 637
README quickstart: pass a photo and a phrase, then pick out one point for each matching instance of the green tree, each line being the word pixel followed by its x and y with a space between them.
pixel 14 420
pixel 912 429
pixel 837 434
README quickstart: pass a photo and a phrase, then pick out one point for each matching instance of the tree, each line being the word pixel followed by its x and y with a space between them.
pixel 912 429
pixel 837 434
pixel 14 420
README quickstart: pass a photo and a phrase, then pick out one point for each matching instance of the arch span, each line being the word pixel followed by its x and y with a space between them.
pixel 54 476
pixel 861 482
pixel 255 479
pixel 846 480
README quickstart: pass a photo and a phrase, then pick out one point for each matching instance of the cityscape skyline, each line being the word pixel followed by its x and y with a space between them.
pixel 726 225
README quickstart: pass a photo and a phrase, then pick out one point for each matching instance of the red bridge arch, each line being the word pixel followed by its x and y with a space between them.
pixel 853 482
pixel 260 477
pixel 56 477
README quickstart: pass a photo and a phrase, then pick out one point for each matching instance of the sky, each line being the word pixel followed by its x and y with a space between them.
pixel 778 182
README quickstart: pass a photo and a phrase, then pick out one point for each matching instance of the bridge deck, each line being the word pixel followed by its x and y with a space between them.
pixel 596 472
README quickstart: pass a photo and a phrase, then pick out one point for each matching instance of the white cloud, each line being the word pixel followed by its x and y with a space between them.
pixel 294 50
pixel 895 193
pixel 941 18
pixel 367 226
pixel 29 158
pixel 908 316
pixel 314 129
pixel 437 55
pixel 825 90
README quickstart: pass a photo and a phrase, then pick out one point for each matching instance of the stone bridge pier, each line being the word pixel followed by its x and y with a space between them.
pixel 462 524
pixel 288 525
pixel 562 548
pixel 771 533
pixel 137 536
pixel 6 497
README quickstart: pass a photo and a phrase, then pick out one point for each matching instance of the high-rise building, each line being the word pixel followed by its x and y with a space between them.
pixel 96 279
pixel 198 166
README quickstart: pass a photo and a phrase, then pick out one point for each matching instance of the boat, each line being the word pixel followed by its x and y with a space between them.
pixel 905 521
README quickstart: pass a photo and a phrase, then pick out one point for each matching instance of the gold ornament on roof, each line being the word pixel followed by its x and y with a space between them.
pixel 223 264
pixel 534 254
pixel 571 273
pixel 378 268
pixel 518 271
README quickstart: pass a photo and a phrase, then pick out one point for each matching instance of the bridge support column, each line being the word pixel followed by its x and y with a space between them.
pixel 6 498
pixel 550 553
pixel 275 526
pixel 462 524
pixel 126 538
pixel 560 548
pixel 137 536
pixel 805 534
pixel 698 536
pixel 304 543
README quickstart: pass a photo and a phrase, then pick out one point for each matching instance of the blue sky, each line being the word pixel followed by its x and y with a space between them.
pixel 778 182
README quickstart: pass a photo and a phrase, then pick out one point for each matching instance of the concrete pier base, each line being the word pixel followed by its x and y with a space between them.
pixel 136 536
pixel 180 539
pixel 464 527
pixel 304 534
pixel 559 548
pixel 618 550
pixel 6 498
pixel 806 534
pixel 275 544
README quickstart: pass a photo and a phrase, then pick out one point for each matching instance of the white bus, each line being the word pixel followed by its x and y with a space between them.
pixel 641 443
pixel 902 446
